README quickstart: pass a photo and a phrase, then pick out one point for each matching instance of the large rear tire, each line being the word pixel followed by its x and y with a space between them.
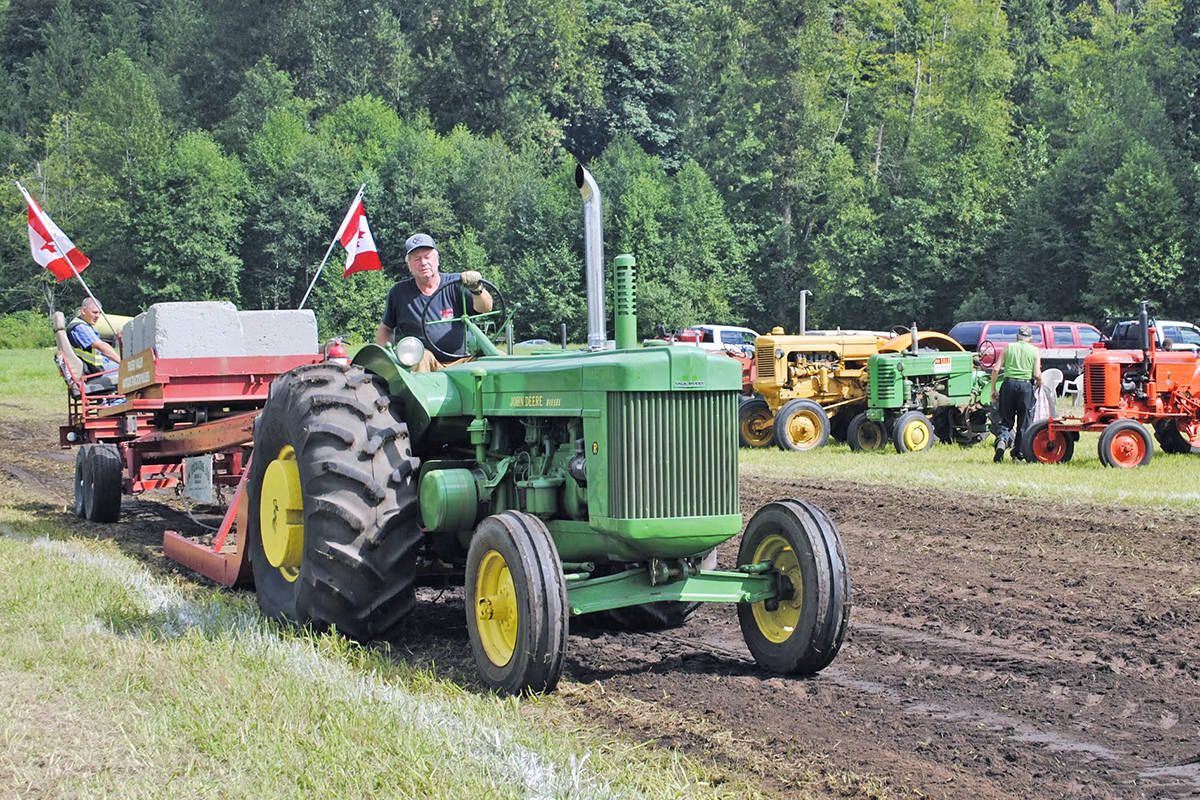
pixel 754 423
pixel 840 424
pixel 865 434
pixel 1125 444
pixel 102 483
pixel 801 425
pixel 333 517
pixel 1045 447
pixel 516 604
pixel 801 631
pixel 1178 435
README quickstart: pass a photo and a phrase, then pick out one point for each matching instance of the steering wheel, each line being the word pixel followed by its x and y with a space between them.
pixel 986 353
pixel 499 313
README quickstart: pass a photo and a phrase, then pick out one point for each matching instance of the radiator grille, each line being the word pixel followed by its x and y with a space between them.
pixel 887 384
pixel 764 361
pixel 1093 387
pixel 672 454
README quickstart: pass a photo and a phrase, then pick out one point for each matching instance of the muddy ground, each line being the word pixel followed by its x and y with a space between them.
pixel 997 648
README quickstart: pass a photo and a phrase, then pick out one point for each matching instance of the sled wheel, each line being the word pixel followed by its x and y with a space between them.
pixel 802 630
pixel 332 514
pixel 912 433
pixel 1047 447
pixel 1125 443
pixel 81 455
pixel 754 423
pixel 102 483
pixel 865 434
pixel 516 604
pixel 801 425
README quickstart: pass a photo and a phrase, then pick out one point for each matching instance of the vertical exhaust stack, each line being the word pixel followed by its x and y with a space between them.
pixel 593 252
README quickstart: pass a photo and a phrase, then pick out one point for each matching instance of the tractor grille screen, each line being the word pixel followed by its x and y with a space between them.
pixel 672 454
pixel 764 358
pixel 1093 387
pixel 887 385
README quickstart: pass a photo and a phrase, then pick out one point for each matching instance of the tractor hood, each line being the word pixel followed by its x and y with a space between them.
pixel 571 384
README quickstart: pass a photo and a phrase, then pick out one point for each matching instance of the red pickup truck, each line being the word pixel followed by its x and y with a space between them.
pixel 1063 344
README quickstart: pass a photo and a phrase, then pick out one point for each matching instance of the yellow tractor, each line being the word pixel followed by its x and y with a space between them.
pixel 810 386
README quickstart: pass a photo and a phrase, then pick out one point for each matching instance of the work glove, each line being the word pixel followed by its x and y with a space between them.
pixel 470 281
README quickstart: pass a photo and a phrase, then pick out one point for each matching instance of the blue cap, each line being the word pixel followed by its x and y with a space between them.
pixel 418 240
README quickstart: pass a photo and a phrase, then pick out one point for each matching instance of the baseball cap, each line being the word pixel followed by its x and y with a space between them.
pixel 418 240
pixel 1024 331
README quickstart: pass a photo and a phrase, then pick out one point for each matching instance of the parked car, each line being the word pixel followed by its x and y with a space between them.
pixel 726 337
pixel 1127 335
pixel 1063 344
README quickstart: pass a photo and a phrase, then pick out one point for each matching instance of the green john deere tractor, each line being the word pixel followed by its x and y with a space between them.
pixel 917 396
pixel 549 485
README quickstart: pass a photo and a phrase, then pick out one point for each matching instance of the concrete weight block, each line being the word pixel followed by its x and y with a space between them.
pixel 279 333
pixel 204 329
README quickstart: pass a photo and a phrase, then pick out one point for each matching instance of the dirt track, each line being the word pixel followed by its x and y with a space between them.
pixel 997 649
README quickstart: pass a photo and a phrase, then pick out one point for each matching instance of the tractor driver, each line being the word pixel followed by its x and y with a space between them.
pixel 96 354
pixel 402 315
pixel 1022 366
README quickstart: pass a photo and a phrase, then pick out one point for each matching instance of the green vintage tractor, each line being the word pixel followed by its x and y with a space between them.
pixel 548 485
pixel 920 395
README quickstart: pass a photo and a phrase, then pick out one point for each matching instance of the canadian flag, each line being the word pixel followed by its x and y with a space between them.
pixel 355 236
pixel 47 243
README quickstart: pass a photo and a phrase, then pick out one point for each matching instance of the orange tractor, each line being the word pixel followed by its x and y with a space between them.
pixel 1125 390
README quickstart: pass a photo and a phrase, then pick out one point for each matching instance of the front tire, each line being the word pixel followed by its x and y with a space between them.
pixel 1125 444
pixel 81 455
pixel 1045 447
pixel 801 425
pixel 332 513
pixel 912 433
pixel 865 434
pixel 802 630
pixel 516 604
pixel 754 423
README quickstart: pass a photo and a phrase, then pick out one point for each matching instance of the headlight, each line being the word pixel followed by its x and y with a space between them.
pixel 409 351
pixel 779 353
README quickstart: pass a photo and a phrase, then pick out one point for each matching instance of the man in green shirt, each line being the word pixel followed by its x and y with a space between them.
pixel 1022 367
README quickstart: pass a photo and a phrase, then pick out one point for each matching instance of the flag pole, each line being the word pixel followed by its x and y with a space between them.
pixel 65 257
pixel 329 250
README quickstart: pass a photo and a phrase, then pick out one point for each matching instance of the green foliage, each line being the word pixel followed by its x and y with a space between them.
pixel 24 330
pixel 901 159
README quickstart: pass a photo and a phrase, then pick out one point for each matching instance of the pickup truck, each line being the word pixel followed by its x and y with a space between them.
pixel 1127 335
pixel 1063 344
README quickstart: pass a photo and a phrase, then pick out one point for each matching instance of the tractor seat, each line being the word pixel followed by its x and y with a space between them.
pixel 71 368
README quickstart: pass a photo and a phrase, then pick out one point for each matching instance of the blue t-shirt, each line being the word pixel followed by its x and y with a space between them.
pixel 403 313
pixel 84 337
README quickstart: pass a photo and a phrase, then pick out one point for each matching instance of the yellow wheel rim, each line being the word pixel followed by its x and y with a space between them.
pixel 756 427
pixel 779 625
pixel 281 514
pixel 803 428
pixel 916 435
pixel 496 608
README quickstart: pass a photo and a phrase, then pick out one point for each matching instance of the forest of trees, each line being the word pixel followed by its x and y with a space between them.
pixel 926 160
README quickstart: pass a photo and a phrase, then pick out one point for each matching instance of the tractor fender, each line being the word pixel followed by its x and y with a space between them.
pixel 424 395
pixel 928 340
